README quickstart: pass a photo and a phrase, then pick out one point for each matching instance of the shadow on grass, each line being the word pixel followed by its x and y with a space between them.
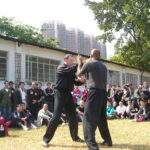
pixel 13 136
pixel 130 147
pixel 69 146
pixel 118 146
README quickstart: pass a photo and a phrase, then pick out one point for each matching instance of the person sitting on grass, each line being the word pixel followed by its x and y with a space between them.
pixel 44 115
pixel 19 119
pixel 142 113
pixel 80 110
pixel 121 110
pixel 110 111
pixel 29 116
pixel 130 110
pixel 115 105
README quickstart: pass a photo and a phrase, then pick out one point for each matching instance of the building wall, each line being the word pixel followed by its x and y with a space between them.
pixel 16 64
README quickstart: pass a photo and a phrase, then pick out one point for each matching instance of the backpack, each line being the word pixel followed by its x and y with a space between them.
pixel 4 127
pixel 2 130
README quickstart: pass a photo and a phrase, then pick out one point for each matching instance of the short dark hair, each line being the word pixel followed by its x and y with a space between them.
pixel 6 82
pixel 21 83
pixel 67 56
pixel 48 83
pixel 11 82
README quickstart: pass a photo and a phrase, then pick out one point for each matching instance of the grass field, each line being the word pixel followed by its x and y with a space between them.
pixel 125 135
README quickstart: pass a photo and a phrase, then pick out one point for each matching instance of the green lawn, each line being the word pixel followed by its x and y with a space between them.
pixel 125 135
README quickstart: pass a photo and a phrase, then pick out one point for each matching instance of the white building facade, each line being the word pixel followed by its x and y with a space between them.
pixel 21 61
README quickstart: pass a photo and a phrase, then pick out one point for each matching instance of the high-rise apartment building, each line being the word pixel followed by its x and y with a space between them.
pixel 72 39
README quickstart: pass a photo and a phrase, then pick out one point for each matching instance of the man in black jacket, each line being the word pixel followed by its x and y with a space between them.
pixel 49 97
pixel 63 99
pixel 32 100
pixel 20 94
pixel 11 83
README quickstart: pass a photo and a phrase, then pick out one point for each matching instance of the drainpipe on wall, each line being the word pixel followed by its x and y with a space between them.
pixel 141 79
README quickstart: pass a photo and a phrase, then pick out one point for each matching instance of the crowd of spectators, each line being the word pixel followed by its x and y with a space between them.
pixel 127 102
pixel 34 107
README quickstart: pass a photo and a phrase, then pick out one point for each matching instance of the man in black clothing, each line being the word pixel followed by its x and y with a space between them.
pixel 49 97
pixel 63 99
pixel 95 106
pixel 11 83
pixel 40 95
pixel 32 100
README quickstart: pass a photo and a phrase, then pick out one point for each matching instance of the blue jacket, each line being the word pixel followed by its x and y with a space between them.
pixel 109 110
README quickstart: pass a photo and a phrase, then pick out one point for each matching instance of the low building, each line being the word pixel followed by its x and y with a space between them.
pixel 23 61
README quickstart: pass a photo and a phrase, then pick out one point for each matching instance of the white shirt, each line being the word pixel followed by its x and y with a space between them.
pixel 120 109
pixel 23 94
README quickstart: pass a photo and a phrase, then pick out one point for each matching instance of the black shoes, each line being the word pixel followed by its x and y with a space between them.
pixel 106 143
pixel 79 140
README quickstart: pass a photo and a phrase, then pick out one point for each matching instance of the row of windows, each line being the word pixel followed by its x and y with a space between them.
pixel 40 69
pixel 43 70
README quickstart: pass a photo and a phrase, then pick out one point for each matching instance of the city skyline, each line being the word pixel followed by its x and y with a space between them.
pixel 72 39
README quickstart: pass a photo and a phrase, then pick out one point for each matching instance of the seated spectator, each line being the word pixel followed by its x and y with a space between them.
pixel 44 115
pixel 130 110
pixel 80 110
pixel 121 110
pixel 76 95
pixel 29 116
pixel 110 111
pixel 19 119
pixel 115 105
pixel 142 113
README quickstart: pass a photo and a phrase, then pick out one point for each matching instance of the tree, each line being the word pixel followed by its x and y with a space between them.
pixel 118 59
pixel 10 28
pixel 131 19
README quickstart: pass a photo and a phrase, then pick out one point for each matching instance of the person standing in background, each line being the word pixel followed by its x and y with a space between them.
pixel 11 83
pixel 5 102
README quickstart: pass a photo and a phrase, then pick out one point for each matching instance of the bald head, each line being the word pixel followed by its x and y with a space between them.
pixel 95 53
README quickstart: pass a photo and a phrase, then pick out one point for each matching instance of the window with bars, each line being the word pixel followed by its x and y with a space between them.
pixel 123 78
pixel 146 79
pixel 3 65
pixel 41 69
pixel 113 77
pixel 132 78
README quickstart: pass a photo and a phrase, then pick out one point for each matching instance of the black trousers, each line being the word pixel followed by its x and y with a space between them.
pixel 63 101
pixel 34 110
pixel 95 116
pixel 50 105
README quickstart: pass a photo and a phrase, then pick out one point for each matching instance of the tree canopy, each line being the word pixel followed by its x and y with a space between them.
pixel 11 28
pixel 130 19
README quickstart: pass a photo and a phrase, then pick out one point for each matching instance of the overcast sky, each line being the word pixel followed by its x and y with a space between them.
pixel 73 13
